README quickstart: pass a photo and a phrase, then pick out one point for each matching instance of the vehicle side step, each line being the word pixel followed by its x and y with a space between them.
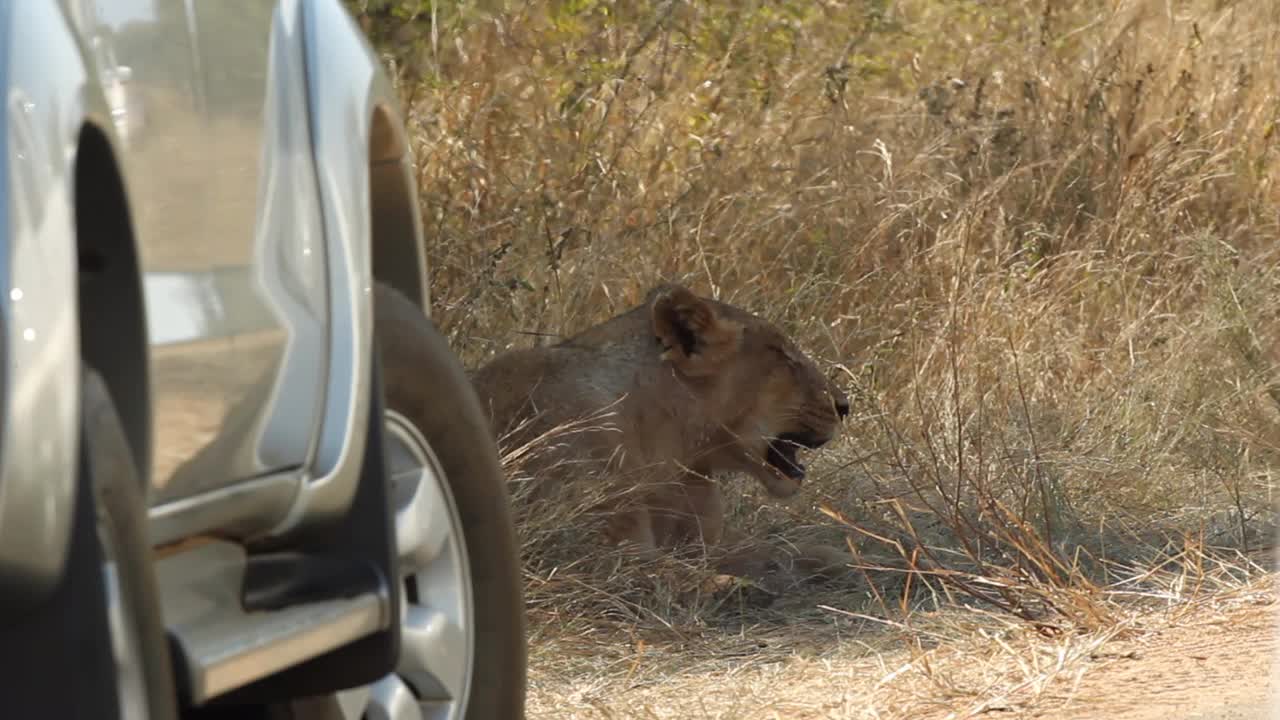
pixel 219 645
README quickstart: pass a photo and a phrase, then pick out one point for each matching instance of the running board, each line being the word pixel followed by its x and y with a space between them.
pixel 219 645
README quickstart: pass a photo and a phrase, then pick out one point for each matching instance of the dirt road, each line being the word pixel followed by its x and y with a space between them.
pixel 1218 668
pixel 1212 661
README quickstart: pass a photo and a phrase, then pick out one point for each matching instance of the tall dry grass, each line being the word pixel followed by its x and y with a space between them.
pixel 1036 240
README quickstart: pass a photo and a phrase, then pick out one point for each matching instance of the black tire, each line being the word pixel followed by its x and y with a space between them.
pixel 425 382
pixel 58 660
pixel 122 516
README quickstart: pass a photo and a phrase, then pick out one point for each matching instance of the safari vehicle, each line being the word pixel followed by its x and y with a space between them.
pixel 241 473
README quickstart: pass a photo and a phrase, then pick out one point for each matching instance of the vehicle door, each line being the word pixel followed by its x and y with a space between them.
pixel 228 223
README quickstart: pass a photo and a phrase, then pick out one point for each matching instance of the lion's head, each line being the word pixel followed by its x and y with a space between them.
pixel 768 398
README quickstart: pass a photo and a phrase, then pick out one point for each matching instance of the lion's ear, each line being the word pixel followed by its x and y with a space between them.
pixel 695 337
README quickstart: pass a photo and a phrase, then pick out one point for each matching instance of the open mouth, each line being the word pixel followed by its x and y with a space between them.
pixel 781 454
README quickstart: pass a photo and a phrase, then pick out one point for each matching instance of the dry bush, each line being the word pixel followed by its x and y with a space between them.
pixel 1037 240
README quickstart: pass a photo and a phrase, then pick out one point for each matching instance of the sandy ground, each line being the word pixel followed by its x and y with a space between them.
pixel 1216 669
pixel 1206 661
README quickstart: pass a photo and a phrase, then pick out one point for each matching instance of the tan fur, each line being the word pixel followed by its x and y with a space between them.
pixel 691 387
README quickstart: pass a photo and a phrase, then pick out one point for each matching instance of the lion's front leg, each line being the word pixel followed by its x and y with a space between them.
pixel 690 510
pixel 633 528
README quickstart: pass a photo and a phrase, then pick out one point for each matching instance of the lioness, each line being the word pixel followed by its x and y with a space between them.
pixel 690 387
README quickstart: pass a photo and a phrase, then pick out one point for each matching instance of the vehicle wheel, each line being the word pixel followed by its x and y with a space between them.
pixel 95 648
pixel 462 647
pixel 144 676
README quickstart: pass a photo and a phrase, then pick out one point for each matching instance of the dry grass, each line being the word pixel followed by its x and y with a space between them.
pixel 1037 241
pixel 951 663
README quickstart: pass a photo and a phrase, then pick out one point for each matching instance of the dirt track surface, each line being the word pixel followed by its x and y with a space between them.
pixel 1216 669
pixel 1206 661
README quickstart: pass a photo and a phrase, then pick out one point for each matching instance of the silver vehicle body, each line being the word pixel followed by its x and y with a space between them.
pixel 266 176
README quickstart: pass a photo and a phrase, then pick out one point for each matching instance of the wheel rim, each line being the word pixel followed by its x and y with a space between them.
pixel 131 687
pixel 437 645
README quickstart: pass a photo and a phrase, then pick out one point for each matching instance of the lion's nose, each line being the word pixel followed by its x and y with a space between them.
pixel 842 406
